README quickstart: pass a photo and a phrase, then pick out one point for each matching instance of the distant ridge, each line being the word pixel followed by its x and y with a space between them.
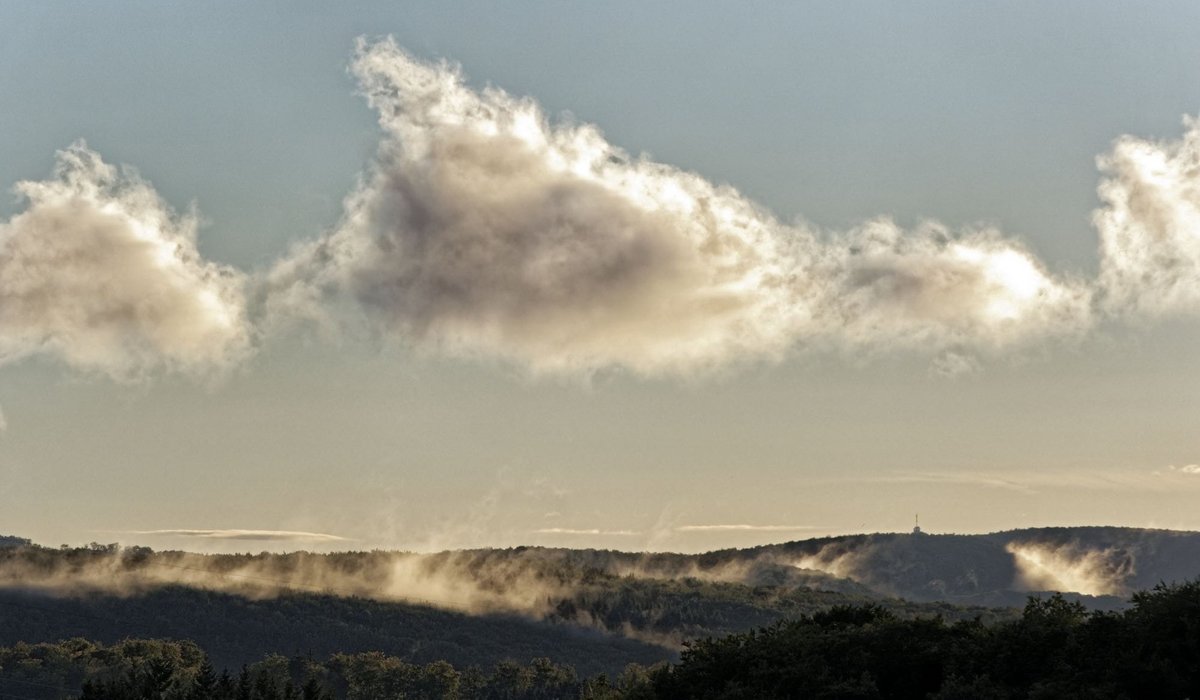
pixel 1102 563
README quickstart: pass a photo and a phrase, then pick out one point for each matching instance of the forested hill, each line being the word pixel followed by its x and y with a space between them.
pixel 1106 564
pixel 596 610
pixel 1053 649
pixel 995 568
pixel 235 630
pixel 592 621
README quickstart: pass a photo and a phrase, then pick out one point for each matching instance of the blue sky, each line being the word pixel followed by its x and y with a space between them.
pixel 826 116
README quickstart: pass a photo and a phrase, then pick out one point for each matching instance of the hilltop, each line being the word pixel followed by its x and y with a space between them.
pixel 594 609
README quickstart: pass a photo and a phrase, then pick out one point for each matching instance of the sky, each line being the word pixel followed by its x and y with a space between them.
pixel 675 276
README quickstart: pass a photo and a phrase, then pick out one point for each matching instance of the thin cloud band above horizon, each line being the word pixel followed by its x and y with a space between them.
pixel 252 535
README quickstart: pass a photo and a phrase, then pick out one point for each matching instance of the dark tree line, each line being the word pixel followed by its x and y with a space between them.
pixel 1054 649
pixel 170 670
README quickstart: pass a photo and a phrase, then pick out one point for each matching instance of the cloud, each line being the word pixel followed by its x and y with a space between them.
pixel 1022 483
pixel 252 535
pixel 483 229
pixel 590 531
pixel 1150 225
pixel 1038 482
pixel 100 273
pixel 953 364
pixel 739 527
pixel 933 289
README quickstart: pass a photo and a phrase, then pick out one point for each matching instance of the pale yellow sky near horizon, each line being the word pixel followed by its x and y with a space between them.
pixel 863 452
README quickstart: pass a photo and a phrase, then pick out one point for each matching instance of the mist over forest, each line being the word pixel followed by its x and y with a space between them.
pixel 545 622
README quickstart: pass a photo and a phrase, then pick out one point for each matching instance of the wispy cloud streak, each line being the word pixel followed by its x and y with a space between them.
pixel 742 527
pixel 1033 483
pixel 584 531
pixel 251 535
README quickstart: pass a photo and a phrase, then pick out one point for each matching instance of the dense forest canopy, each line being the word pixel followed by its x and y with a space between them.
pixel 1054 649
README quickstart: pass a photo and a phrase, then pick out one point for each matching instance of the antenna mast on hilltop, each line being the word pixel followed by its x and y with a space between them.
pixel 916 524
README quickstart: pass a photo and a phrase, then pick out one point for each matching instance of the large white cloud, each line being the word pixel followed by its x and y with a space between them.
pixel 483 228
pixel 100 273
pixel 930 289
pixel 1150 225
